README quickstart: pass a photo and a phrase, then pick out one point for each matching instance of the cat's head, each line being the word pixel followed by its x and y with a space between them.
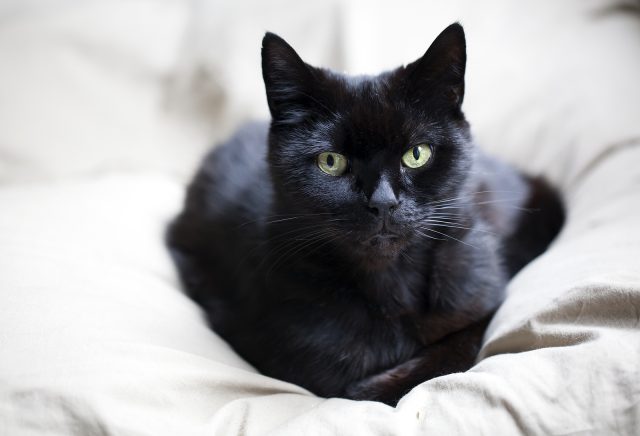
pixel 367 159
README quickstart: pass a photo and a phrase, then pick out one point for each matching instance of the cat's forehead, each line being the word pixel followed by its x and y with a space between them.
pixel 376 117
pixel 369 92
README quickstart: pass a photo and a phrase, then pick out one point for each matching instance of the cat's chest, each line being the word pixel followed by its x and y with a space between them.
pixel 373 323
pixel 369 339
pixel 399 295
pixel 359 325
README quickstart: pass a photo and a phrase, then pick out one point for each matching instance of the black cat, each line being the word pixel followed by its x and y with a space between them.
pixel 359 244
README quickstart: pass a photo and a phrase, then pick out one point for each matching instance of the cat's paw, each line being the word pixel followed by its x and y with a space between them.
pixel 381 387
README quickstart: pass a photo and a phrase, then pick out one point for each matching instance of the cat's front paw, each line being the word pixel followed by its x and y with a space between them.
pixel 380 387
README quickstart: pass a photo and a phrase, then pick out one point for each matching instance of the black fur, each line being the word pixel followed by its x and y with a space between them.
pixel 358 285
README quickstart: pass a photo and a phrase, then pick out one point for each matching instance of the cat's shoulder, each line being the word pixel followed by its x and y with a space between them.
pixel 239 158
pixel 234 174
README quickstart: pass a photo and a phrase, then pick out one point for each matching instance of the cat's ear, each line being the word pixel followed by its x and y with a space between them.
pixel 288 80
pixel 439 72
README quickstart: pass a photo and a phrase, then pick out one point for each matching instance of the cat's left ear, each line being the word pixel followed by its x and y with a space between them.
pixel 439 73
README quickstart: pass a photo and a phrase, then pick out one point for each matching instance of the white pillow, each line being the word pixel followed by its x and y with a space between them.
pixel 83 88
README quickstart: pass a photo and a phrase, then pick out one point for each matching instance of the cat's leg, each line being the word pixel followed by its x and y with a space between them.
pixel 456 352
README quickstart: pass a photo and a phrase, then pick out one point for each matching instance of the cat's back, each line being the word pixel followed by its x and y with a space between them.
pixel 221 226
pixel 526 212
pixel 233 178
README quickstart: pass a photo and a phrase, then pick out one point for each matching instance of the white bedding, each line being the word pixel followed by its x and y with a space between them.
pixel 100 125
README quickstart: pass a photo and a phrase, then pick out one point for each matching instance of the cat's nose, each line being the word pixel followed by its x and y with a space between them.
pixel 383 208
pixel 383 201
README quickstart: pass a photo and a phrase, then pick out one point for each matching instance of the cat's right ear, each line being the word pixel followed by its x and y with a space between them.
pixel 288 80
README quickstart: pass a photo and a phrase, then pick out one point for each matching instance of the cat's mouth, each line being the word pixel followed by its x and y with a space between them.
pixel 382 239
pixel 384 235
pixel 383 245
pixel 380 249
pixel 379 244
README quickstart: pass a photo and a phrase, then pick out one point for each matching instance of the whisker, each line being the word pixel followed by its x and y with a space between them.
pixel 336 237
pixel 457 217
pixel 408 258
pixel 472 194
pixel 291 238
pixel 455 226
pixel 428 236
pixel 294 250
pixel 449 236
pixel 293 241
pixel 289 219
pixel 481 203
pixel 440 223
pixel 287 216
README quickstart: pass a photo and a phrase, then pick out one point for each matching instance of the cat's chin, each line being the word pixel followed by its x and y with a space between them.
pixel 380 251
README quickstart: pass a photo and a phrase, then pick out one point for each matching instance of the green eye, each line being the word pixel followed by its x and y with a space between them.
pixel 416 156
pixel 331 163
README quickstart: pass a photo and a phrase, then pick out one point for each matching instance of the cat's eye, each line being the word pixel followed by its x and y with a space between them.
pixel 416 156
pixel 331 163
